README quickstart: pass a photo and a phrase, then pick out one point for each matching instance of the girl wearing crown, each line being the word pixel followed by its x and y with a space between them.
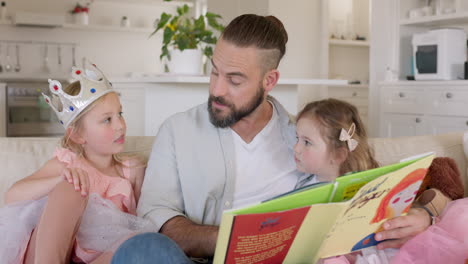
pixel 82 203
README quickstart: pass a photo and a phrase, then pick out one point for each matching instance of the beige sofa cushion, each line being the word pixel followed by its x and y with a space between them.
pixel 19 157
pixel 391 150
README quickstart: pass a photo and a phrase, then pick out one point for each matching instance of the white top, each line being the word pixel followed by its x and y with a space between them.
pixel 264 167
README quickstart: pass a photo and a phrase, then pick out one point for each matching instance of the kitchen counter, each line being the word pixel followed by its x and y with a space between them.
pixel 149 100
pixel 206 80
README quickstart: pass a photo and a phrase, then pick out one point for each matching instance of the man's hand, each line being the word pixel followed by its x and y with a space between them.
pixel 195 240
pixel 402 228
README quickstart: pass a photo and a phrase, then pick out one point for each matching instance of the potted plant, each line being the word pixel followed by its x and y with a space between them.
pixel 80 12
pixel 186 38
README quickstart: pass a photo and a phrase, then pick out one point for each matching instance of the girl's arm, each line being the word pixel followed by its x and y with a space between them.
pixel 38 184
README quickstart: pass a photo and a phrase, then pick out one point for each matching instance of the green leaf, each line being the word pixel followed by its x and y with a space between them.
pixel 200 23
pixel 164 53
pixel 183 43
pixel 208 51
pixel 182 31
pixel 168 34
pixel 161 22
pixel 186 8
pixel 213 21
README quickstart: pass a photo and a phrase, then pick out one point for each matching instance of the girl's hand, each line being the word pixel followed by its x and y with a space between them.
pixel 77 177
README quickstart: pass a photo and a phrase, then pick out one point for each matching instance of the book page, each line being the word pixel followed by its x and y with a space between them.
pixel 264 238
pixel 317 224
pixel 348 185
pixel 321 194
pixel 385 197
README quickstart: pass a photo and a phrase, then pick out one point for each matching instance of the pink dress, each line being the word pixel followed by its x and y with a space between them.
pixel 108 220
pixel 444 242
pixel 119 190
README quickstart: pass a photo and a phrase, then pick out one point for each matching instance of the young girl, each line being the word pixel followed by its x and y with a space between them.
pixel 331 141
pixel 69 223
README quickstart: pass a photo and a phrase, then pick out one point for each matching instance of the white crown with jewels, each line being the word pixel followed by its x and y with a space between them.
pixel 93 85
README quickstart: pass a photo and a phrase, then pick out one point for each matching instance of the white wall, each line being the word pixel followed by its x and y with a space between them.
pixel 382 53
pixel 116 52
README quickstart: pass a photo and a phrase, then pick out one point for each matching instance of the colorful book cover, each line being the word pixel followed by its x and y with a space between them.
pixel 321 221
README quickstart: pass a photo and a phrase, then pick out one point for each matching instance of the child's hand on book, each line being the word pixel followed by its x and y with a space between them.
pixel 77 177
pixel 402 228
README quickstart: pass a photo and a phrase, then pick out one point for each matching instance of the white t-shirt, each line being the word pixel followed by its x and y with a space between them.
pixel 265 167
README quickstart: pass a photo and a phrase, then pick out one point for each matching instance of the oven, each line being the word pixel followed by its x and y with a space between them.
pixel 28 115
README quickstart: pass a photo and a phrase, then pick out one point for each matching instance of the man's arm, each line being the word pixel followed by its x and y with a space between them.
pixel 402 228
pixel 195 240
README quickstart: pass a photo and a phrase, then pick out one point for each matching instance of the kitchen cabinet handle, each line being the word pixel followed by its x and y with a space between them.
pixel 418 120
pixel 449 95
pixel 402 95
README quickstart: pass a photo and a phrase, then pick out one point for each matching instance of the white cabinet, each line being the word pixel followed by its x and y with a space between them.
pixel 132 98
pixel 423 108
pixel 399 125
pixel 348 58
pixel 357 95
pixel 441 106
pixel 3 110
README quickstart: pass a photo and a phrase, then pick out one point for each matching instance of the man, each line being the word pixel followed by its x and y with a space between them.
pixel 234 150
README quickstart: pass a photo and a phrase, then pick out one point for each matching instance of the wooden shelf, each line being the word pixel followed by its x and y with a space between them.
pixel 146 2
pixel 108 28
pixel 354 43
pixel 440 20
pixel 93 27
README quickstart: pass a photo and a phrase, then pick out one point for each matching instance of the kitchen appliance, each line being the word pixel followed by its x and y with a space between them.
pixel 27 113
pixel 439 54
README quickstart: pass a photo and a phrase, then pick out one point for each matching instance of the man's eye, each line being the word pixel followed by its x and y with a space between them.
pixel 234 82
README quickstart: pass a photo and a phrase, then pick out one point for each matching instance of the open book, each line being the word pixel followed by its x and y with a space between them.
pixel 320 221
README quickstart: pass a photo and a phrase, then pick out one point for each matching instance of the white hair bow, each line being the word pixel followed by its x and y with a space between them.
pixel 347 136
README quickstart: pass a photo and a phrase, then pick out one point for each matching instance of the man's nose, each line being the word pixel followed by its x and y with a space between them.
pixel 220 88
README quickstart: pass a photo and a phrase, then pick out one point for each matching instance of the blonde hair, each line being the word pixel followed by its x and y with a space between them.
pixel 77 125
pixel 334 115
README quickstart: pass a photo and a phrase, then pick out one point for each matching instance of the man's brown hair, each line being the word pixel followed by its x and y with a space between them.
pixel 262 32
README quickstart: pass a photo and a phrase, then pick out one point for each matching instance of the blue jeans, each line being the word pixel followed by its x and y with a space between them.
pixel 149 248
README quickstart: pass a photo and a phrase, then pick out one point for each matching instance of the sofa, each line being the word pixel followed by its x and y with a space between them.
pixel 19 157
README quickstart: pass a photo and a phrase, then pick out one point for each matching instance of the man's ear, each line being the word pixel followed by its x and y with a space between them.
pixel 270 79
pixel 75 136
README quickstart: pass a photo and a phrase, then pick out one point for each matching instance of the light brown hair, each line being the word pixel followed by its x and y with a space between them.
pixel 334 115
pixel 263 32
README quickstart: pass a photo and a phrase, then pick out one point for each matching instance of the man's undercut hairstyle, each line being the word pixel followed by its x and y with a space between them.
pixel 263 32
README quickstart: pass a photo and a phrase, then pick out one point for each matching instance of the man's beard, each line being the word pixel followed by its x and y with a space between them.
pixel 236 114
